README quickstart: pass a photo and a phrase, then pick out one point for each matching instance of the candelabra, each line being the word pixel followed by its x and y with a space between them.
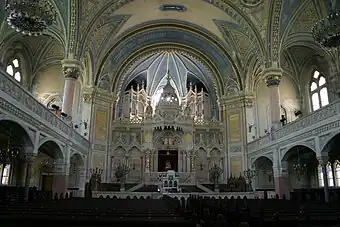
pixel 96 172
pixel 249 174
pixel 31 17
pixel 215 173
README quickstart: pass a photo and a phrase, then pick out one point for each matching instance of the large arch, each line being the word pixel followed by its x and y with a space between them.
pixel 177 34
pixel 330 144
pixel 228 7
pixel 18 134
pixel 52 149
pixel 301 164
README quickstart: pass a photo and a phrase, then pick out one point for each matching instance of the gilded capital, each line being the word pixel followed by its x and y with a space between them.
pixel 72 68
pixel 272 76
pixel 29 157
pixel 87 97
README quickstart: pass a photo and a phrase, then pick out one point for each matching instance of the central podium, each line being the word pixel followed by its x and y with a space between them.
pixel 170 182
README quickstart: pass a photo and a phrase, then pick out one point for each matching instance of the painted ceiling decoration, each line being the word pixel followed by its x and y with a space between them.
pixel 181 68
pixel 252 29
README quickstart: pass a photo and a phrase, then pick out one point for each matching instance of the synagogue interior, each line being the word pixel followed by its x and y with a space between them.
pixel 172 100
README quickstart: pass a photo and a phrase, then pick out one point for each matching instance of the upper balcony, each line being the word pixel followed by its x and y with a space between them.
pixel 321 122
pixel 19 103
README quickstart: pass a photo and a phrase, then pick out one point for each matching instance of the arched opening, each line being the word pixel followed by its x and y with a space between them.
pixel 14 143
pixel 76 173
pixel 333 167
pixel 301 165
pixel 48 163
pixel 264 179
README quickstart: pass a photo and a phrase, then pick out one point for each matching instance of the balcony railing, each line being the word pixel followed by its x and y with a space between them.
pixel 303 124
pixel 26 102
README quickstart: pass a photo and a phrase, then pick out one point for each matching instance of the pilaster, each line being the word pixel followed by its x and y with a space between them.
pixel 235 120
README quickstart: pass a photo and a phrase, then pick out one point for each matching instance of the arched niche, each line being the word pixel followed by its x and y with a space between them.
pixel 117 158
pixel 264 179
pixel 135 164
pixel 301 164
pixel 215 158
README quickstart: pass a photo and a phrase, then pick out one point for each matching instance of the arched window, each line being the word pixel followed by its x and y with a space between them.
pixel 5 170
pixel 337 172
pixel 13 69
pixel 320 176
pixel 330 175
pixel 318 89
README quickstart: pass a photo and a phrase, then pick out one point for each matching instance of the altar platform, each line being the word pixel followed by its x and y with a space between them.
pixel 158 195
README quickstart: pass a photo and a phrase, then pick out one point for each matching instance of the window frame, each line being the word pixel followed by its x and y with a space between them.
pixel 317 90
pixel 16 69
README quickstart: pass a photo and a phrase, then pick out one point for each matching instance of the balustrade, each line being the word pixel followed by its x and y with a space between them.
pixel 17 101
pixel 299 129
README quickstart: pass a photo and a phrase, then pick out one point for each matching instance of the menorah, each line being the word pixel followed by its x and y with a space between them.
pixel 249 174
pixel 96 172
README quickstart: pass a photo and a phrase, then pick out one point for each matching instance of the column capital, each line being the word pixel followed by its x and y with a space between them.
pixel 72 68
pixel 30 157
pixel 323 160
pixel 272 76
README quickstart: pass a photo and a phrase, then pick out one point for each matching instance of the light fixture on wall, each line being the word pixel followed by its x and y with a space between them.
pixel 300 169
pixel 327 30
pixel 7 154
pixel 30 17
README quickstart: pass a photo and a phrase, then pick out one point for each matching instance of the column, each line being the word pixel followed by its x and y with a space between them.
pixel 60 178
pixel 273 78
pixel 72 70
pixel 281 180
pixel 81 181
pixel 29 159
pixel 225 167
pixel 323 161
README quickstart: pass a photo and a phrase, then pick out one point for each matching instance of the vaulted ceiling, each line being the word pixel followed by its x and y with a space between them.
pixel 258 32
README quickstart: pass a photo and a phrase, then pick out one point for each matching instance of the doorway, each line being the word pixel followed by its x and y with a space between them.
pixel 47 183
pixel 167 160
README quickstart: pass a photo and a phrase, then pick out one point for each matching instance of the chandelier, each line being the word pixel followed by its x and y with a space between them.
pixel 299 168
pixel 327 31
pixel 7 155
pixel 30 17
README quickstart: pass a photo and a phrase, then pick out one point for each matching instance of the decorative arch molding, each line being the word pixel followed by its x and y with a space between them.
pixel 49 139
pixel 268 156
pixel 302 39
pixel 79 154
pixel 60 150
pixel 29 146
pixel 310 145
pixel 137 59
pixel 226 6
pixel 177 34
pixel 326 142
